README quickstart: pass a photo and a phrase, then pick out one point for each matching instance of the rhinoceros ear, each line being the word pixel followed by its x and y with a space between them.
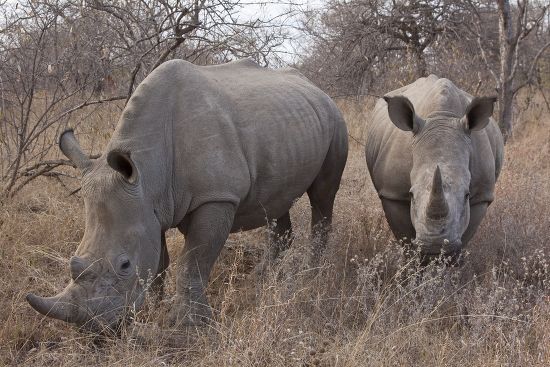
pixel 478 113
pixel 401 112
pixel 123 164
pixel 71 148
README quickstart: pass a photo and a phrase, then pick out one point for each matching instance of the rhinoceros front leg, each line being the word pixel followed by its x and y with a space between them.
pixel 157 286
pixel 477 212
pixel 206 231
pixel 398 214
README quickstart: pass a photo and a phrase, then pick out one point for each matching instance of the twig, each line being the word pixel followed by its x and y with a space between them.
pixel 356 140
pixel 89 103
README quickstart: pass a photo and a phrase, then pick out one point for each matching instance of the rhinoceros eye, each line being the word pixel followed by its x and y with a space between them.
pixel 467 196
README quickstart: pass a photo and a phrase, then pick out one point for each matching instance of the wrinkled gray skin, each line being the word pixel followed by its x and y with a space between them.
pixel 209 150
pixel 434 154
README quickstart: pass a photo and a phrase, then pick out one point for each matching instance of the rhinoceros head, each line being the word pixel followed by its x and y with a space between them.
pixel 120 248
pixel 440 175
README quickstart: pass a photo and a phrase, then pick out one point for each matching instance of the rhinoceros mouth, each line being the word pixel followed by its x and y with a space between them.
pixel 100 327
pixel 437 246
pixel 452 259
pixel 438 250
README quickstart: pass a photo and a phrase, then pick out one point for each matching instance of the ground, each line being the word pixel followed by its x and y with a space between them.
pixel 366 305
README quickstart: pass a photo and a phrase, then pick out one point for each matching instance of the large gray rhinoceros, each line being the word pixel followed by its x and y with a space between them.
pixel 209 150
pixel 434 154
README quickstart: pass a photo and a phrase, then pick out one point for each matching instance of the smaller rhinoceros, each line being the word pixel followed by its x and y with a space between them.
pixel 209 150
pixel 434 154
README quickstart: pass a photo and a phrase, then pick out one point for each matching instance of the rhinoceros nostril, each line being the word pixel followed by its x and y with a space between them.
pixel 125 265
pixel 78 265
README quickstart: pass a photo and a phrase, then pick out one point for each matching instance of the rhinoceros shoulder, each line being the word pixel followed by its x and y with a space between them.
pixel 390 179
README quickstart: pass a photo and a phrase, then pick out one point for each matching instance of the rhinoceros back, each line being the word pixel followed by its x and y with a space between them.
pixel 236 132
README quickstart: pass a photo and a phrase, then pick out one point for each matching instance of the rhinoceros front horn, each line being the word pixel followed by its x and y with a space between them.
pixel 437 205
pixel 59 307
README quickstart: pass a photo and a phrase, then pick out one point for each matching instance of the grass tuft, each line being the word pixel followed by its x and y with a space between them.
pixel 367 304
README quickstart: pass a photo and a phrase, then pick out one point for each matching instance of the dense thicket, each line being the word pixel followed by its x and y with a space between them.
pixel 365 46
pixel 373 46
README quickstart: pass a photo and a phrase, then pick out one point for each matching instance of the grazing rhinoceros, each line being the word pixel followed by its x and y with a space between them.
pixel 434 154
pixel 209 150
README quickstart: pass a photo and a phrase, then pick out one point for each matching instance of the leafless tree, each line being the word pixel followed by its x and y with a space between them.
pixel 58 57
pixel 363 41
pixel 371 46
pixel 143 35
pixel 518 53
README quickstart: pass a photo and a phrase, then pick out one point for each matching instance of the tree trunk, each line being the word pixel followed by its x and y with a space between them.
pixel 507 50
pixel 420 61
pixel 505 102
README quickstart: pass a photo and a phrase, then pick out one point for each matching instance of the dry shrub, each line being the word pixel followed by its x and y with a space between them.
pixel 366 304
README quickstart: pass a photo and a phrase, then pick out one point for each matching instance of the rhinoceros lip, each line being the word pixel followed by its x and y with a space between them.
pixel 438 251
pixel 437 246
pixel 100 328
pixel 451 259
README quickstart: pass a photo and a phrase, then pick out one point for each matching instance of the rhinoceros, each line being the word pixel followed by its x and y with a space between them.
pixel 434 155
pixel 208 150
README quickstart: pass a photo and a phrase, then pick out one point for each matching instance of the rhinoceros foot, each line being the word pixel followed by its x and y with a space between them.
pixel 188 313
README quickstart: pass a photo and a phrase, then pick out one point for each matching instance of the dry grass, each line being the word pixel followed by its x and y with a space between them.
pixel 367 304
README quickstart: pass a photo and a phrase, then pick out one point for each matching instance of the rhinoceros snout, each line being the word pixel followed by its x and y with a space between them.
pixel 437 247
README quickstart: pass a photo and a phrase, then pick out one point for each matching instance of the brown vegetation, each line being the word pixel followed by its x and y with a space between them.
pixel 367 305
pixel 371 46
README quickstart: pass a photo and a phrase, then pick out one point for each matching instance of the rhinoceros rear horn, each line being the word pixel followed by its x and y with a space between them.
pixel 70 147
pixel 58 307
pixel 478 113
pixel 402 114
pixel 437 204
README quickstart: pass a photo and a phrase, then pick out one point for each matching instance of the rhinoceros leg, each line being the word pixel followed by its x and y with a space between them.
pixel 477 212
pixel 279 236
pixel 206 231
pixel 322 193
pixel 398 214
pixel 157 286
pixel 321 221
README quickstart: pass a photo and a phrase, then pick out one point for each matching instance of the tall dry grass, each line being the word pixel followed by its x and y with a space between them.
pixel 367 305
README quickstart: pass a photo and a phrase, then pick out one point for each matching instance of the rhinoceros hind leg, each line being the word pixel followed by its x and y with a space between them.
pixel 205 233
pixel 279 238
pixel 321 221
pixel 157 286
pixel 322 193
